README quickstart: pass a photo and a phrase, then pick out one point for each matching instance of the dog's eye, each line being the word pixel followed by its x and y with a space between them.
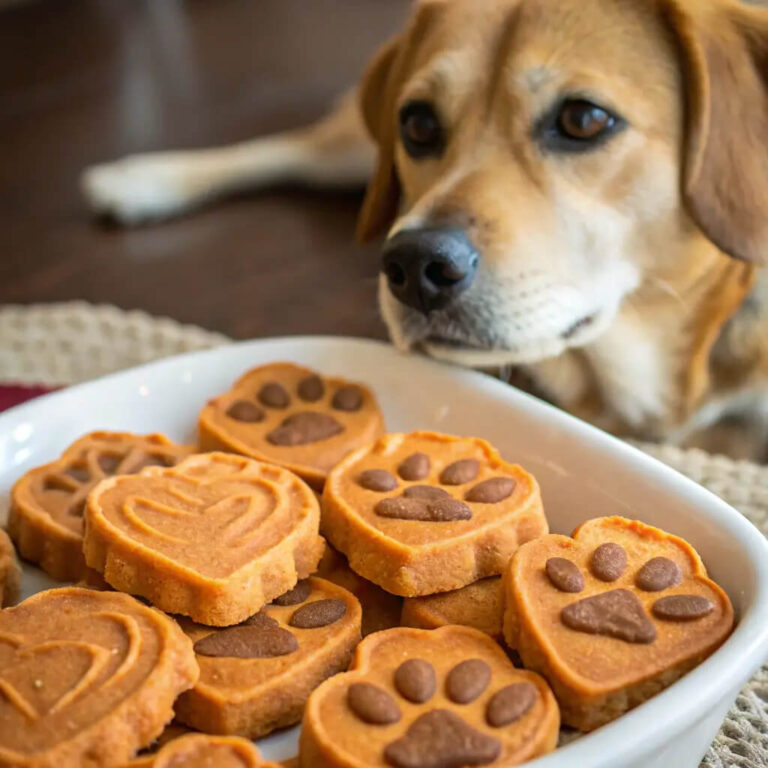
pixel 583 121
pixel 420 130
pixel 577 125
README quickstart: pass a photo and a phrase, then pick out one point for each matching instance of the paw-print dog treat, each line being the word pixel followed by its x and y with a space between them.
pixel 415 698
pixel 381 610
pixel 214 538
pixel 291 416
pixel 86 678
pixel 10 573
pixel 47 503
pixel 199 750
pixel 256 677
pixel 424 512
pixel 612 615
pixel 477 605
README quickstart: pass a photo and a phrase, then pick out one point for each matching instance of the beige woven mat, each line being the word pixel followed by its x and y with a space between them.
pixel 66 343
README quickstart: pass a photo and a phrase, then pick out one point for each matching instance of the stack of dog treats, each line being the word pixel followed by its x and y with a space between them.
pixel 247 621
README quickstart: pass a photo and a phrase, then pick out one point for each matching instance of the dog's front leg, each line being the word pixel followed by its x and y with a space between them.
pixel 335 151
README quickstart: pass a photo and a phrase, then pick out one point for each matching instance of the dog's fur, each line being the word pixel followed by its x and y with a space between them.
pixel 622 281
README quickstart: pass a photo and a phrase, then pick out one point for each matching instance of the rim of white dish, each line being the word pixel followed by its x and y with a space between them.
pixel 660 718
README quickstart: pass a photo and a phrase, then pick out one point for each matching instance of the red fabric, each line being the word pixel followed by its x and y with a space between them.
pixel 14 395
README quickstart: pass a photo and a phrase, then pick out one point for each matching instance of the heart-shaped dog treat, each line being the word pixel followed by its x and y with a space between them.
pixel 612 615
pixel 257 676
pixel 477 605
pixel 200 750
pixel 424 512
pixel 47 503
pixel 10 573
pixel 215 538
pixel 291 416
pixel 86 678
pixel 416 698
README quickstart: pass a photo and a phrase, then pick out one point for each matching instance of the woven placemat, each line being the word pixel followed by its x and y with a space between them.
pixel 59 344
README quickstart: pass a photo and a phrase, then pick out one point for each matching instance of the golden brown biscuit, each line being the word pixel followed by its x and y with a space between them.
pixel 289 415
pixel 87 678
pixel 47 503
pixel 418 698
pixel 424 512
pixel 380 609
pixel 215 538
pixel 477 605
pixel 199 750
pixel 612 615
pixel 257 676
pixel 10 573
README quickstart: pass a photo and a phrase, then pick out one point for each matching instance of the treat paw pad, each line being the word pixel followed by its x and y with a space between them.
pixel 611 615
pixel 446 698
pixel 291 416
pixel 257 676
pixel 384 505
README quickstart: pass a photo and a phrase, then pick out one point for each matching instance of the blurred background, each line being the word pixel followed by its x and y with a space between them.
pixel 87 81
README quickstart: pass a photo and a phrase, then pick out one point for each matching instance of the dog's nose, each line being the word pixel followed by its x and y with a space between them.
pixel 428 268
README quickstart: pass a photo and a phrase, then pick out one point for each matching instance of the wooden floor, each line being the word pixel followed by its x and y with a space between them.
pixel 85 81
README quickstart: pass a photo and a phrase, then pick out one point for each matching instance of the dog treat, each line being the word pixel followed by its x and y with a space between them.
pixel 87 678
pixel 424 513
pixel 257 676
pixel 612 615
pixel 415 698
pixel 381 610
pixel 199 750
pixel 10 573
pixel 477 605
pixel 289 415
pixel 214 538
pixel 47 503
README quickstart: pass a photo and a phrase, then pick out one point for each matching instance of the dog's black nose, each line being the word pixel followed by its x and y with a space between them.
pixel 428 268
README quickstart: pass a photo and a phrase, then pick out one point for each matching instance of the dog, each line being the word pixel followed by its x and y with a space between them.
pixel 576 188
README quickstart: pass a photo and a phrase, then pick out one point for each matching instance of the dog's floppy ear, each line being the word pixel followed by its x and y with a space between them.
pixel 724 47
pixel 377 102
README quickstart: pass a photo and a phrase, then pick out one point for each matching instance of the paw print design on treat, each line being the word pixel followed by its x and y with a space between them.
pixel 288 415
pixel 47 503
pixel 87 677
pixel 195 750
pixel 611 615
pixel 477 605
pixel 10 572
pixel 415 698
pixel 214 538
pixel 381 610
pixel 256 676
pixel 423 512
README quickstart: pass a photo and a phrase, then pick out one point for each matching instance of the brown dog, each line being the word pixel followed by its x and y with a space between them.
pixel 578 188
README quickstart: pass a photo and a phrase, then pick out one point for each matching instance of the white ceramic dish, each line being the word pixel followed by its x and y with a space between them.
pixel 583 473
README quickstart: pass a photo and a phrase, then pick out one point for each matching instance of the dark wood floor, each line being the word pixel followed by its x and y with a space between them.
pixel 89 80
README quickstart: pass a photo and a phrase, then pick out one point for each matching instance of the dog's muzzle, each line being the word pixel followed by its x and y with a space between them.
pixel 427 269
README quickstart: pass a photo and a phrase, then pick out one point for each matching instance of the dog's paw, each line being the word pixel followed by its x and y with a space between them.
pixel 140 188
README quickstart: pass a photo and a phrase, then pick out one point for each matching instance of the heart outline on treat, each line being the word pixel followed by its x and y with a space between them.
pixel 228 532
pixel 632 654
pixel 86 675
pixel 371 715
pixel 99 656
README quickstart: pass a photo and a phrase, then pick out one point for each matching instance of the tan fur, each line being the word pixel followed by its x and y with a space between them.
pixel 641 235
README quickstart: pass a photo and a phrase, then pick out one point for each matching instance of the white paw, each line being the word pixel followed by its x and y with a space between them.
pixel 140 188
